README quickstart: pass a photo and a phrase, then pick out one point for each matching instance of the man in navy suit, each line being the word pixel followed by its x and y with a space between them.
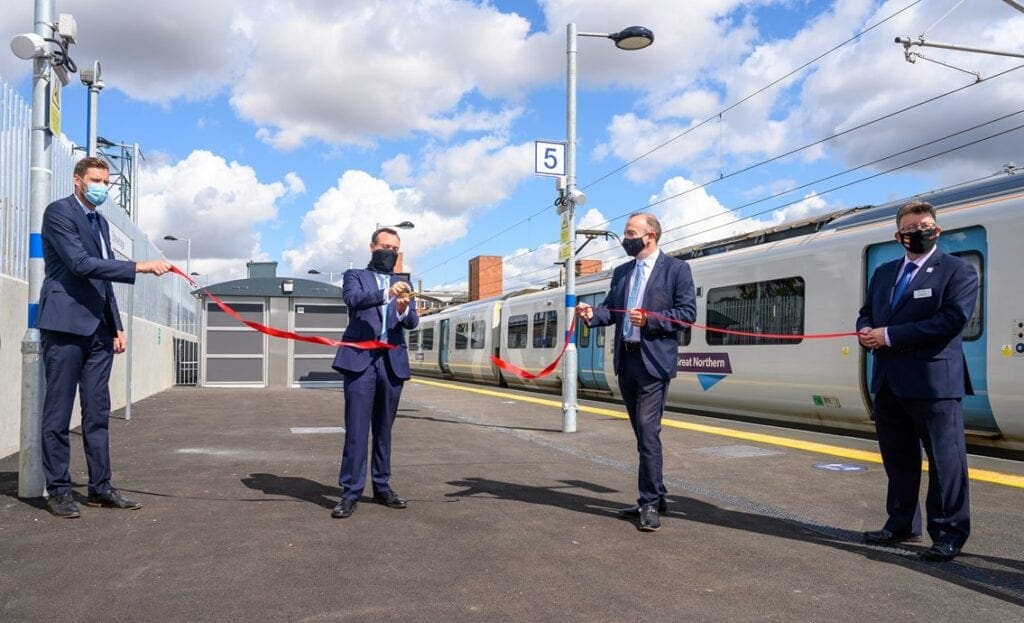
pixel 378 309
pixel 80 330
pixel 646 347
pixel 912 321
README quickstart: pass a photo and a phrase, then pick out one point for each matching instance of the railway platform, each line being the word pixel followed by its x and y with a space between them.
pixel 508 520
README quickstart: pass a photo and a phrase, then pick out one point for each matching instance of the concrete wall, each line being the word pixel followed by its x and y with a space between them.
pixel 152 363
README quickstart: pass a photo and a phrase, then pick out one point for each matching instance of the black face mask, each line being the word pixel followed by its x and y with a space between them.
pixel 633 246
pixel 920 241
pixel 383 260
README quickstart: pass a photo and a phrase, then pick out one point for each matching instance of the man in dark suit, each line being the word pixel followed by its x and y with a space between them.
pixel 916 309
pixel 378 309
pixel 80 330
pixel 646 347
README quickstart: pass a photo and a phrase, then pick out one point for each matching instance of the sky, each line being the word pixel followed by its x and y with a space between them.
pixel 286 130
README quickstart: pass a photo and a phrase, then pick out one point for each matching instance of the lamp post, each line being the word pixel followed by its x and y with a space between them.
pixel 91 78
pixel 188 249
pixel 632 38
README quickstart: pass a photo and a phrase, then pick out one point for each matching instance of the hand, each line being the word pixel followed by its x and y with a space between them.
pixel 638 318
pixel 402 304
pixel 120 343
pixel 399 289
pixel 156 267
pixel 872 338
pixel 584 311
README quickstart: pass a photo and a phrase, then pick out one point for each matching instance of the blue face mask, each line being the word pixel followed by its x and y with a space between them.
pixel 96 194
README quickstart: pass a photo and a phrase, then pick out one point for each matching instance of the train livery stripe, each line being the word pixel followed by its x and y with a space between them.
pixel 980 475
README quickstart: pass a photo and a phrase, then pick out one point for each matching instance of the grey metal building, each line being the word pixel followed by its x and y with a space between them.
pixel 235 355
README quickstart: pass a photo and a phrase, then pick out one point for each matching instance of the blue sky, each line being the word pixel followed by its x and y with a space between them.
pixel 284 130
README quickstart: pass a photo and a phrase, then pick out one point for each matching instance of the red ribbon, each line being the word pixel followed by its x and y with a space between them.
pixel 525 374
pixel 271 331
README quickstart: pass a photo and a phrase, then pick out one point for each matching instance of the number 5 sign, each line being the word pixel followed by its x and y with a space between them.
pixel 549 158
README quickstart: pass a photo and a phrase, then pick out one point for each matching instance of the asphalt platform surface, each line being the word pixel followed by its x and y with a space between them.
pixel 508 520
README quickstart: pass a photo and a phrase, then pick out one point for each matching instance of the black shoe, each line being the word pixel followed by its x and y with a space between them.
pixel 887 537
pixel 390 499
pixel 940 552
pixel 344 509
pixel 649 521
pixel 112 499
pixel 63 506
pixel 634 511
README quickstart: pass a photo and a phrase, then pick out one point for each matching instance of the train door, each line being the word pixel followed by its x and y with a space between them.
pixel 590 349
pixel 971 245
pixel 442 348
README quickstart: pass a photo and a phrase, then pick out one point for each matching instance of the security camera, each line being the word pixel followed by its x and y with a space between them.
pixel 577 197
pixel 28 46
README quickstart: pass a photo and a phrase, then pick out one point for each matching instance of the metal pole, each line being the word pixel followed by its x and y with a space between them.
pixel 569 362
pixel 188 255
pixel 31 483
pixel 92 107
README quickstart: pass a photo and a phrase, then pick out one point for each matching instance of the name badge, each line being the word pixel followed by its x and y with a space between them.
pixel 922 294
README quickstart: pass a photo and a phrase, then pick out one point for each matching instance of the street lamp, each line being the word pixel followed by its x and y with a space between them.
pixel 632 38
pixel 188 248
pixel 91 78
pixel 402 225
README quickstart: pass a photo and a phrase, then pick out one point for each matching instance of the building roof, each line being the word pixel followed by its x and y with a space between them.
pixel 272 286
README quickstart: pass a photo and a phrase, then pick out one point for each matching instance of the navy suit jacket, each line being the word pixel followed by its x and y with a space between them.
pixel 669 292
pixel 364 297
pixel 76 293
pixel 926 358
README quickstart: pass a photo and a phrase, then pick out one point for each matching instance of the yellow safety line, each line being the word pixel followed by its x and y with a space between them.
pixel 981 475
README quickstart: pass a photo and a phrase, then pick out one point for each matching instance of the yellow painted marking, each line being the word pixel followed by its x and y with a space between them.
pixel 981 475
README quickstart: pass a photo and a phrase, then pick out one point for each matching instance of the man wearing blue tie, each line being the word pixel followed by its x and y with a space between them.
pixel 912 320
pixel 378 309
pixel 80 330
pixel 646 347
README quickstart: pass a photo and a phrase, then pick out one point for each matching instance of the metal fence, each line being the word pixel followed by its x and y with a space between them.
pixel 166 301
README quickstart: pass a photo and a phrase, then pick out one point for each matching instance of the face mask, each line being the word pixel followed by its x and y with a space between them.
pixel 96 194
pixel 383 260
pixel 920 241
pixel 633 246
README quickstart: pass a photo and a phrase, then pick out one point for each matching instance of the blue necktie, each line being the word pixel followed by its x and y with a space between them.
pixel 382 281
pixel 634 294
pixel 94 224
pixel 901 285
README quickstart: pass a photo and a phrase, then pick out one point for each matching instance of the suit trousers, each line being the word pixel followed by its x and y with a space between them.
pixel 903 426
pixel 371 403
pixel 82 363
pixel 644 396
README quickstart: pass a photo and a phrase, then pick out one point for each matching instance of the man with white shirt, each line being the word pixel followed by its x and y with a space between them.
pixel 80 330
pixel 646 346
pixel 912 320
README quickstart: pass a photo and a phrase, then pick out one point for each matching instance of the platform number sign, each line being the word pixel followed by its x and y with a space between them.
pixel 549 158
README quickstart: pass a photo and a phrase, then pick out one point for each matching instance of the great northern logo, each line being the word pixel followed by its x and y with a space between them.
pixel 709 367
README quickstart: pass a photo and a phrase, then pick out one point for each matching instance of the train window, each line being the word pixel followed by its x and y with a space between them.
pixel 428 339
pixel 759 307
pixel 583 335
pixel 683 336
pixel 461 336
pixel 599 336
pixel 414 340
pixel 479 335
pixel 545 329
pixel 518 327
pixel 976 323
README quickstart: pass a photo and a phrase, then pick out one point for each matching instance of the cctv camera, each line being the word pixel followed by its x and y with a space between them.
pixel 577 197
pixel 28 46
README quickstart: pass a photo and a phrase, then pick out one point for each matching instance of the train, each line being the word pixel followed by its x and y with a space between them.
pixel 807 277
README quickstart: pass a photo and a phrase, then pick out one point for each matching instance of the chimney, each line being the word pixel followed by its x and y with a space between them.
pixel 261 269
pixel 588 267
pixel 485 278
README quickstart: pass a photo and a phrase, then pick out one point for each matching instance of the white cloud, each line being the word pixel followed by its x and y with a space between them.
pixel 295 184
pixel 215 203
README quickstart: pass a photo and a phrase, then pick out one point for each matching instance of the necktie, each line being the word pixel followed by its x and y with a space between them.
pixel 94 224
pixel 382 281
pixel 901 285
pixel 634 294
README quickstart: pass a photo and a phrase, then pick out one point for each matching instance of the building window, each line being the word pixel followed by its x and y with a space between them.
pixel 518 327
pixel 775 307
pixel 545 328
